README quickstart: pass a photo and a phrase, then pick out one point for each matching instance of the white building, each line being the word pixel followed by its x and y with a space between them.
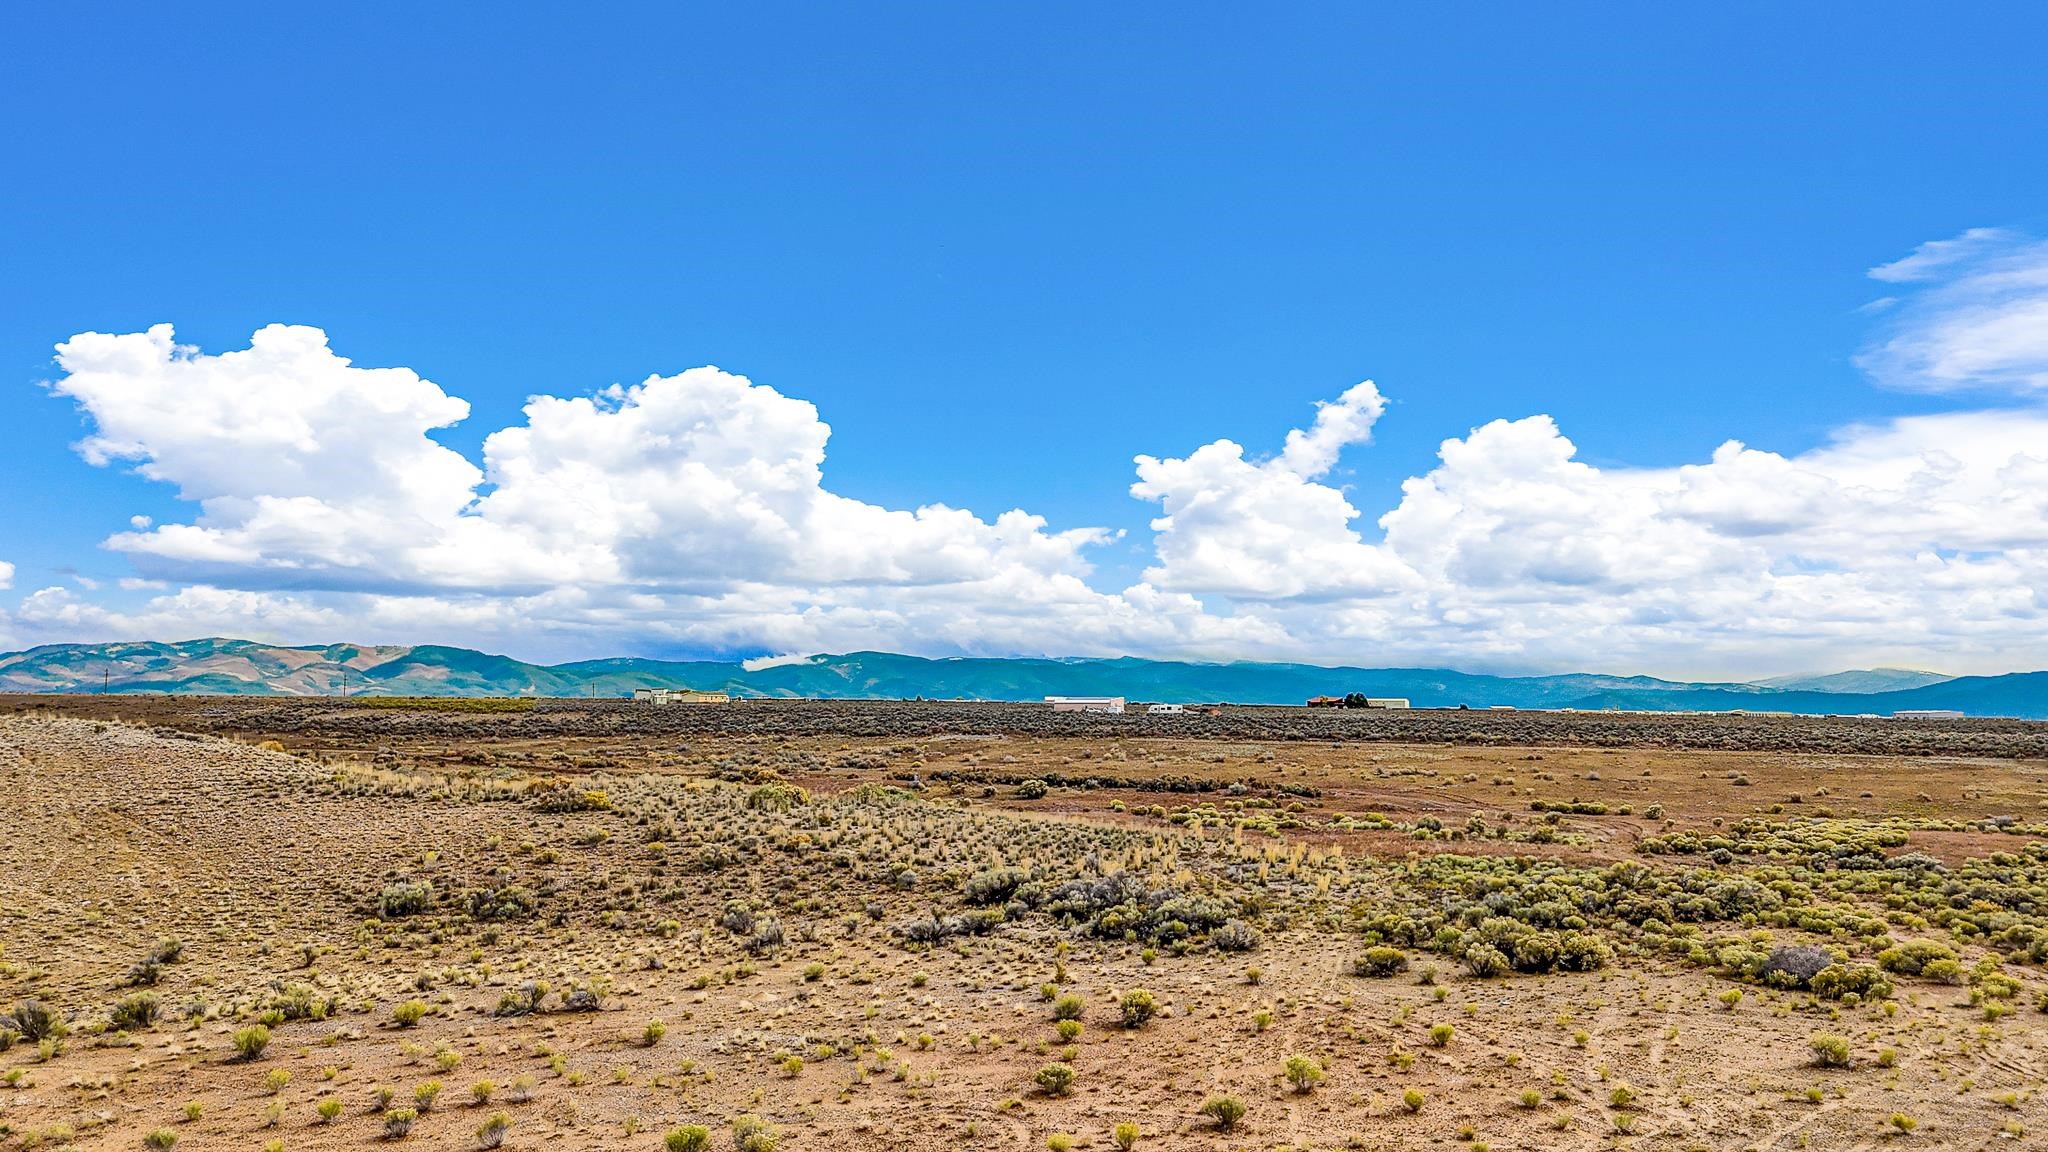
pixel 1164 710
pixel 1928 714
pixel 1386 702
pixel 679 696
pixel 1086 703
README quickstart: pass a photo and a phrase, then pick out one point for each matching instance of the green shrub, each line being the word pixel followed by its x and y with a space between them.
pixel 137 1010
pixel 500 903
pixel 1839 980
pixel 750 1133
pixel 995 885
pixel 1485 961
pixel 1303 1073
pixel 251 1041
pixel 1379 960
pixel 1912 957
pixel 1137 1006
pixel 491 1133
pixel 776 796
pixel 687 1138
pixel 1946 971
pixel 1055 1079
pixel 1068 1007
pixel 409 1013
pixel 404 898
pixel 1829 1050
pixel 1226 1111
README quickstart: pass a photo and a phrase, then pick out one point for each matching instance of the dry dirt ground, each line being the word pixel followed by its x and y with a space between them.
pixel 800 915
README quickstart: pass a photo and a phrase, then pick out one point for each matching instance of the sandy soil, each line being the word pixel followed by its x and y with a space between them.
pixel 267 866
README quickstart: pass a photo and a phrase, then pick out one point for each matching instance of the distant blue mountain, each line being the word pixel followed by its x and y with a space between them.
pixel 247 668
pixel 1863 680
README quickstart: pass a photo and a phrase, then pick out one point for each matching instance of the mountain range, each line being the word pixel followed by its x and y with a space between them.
pixel 242 667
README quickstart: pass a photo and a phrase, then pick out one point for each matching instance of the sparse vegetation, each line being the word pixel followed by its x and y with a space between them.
pixel 1137 1007
pixel 875 921
pixel 251 1041
pixel 1829 1050
pixel 1054 1079
pixel 1226 1111
pixel 687 1138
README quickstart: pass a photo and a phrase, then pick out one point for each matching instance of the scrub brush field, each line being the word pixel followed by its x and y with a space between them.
pixel 314 925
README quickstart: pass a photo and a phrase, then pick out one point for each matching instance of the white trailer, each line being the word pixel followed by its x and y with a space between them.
pixel 1113 704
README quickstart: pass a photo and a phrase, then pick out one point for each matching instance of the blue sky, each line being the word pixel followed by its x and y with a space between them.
pixel 1003 250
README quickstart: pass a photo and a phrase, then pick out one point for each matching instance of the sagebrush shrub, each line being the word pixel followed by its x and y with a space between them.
pixel 1829 1050
pixel 1234 936
pixel 1380 960
pixel 1485 961
pixel 404 898
pixel 33 1022
pixel 1795 965
pixel 750 1133
pixel 251 1041
pixel 1226 1111
pixel 1137 1006
pixel 491 1133
pixel 1303 1073
pixel 687 1138
pixel 1054 1079
pixel 139 1010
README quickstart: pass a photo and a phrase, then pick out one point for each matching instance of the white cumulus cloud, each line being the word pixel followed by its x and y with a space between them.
pixel 693 512
pixel 689 509
pixel 1267 529
pixel 311 472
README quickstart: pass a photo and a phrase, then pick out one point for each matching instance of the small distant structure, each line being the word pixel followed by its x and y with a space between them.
pixel 1500 707
pixel 1928 714
pixel 1113 704
pixel 1164 709
pixel 679 696
pixel 1357 700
